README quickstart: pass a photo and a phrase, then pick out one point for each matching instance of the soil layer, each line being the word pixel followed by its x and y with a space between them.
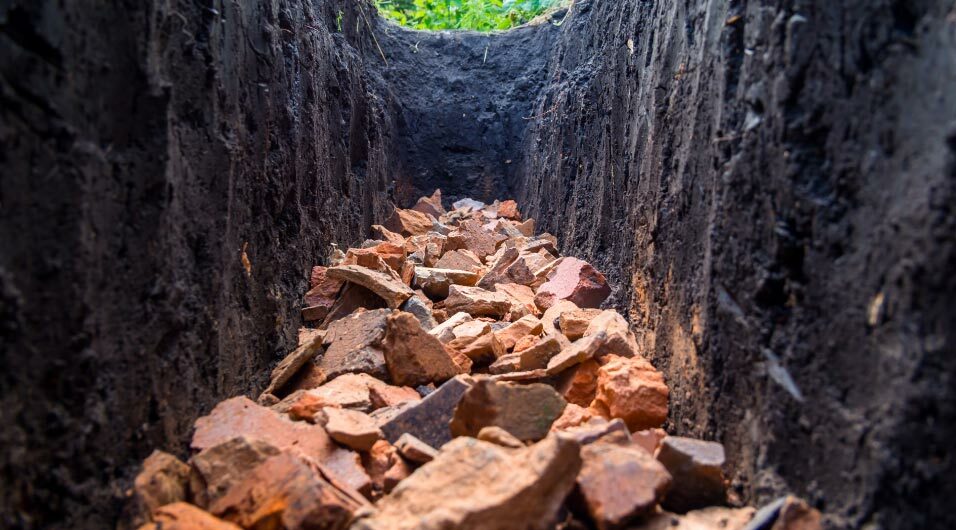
pixel 775 183
pixel 171 172
pixel 464 101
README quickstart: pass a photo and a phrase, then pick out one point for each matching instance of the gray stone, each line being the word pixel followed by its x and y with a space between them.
pixel 428 419
pixel 696 468
pixel 417 307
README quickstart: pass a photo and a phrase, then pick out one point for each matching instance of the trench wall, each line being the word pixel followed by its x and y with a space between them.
pixel 464 103
pixel 770 185
pixel 171 171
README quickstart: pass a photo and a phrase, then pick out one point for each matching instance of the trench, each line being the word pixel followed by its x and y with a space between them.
pixel 767 185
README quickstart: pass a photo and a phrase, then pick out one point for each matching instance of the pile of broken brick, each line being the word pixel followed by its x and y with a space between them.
pixel 458 374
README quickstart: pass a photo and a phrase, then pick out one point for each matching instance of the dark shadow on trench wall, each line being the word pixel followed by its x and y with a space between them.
pixel 465 100
pixel 771 185
pixel 146 147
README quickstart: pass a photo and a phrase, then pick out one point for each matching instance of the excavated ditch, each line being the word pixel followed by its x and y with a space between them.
pixel 455 371
pixel 767 186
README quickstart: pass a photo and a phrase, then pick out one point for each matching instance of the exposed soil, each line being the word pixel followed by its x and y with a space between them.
pixel 769 186
pixel 464 103
pixel 146 149
pixel 774 182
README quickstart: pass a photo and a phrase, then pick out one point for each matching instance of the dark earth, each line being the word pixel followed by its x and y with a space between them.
pixel 774 181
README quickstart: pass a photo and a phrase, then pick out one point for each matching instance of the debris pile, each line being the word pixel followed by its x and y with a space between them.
pixel 456 372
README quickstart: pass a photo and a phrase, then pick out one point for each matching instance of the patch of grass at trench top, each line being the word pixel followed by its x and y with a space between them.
pixel 478 15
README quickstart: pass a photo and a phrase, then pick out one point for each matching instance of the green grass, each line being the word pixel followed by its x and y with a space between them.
pixel 478 15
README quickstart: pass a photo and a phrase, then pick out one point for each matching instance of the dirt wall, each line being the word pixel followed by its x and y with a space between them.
pixel 773 182
pixel 147 146
pixel 464 102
